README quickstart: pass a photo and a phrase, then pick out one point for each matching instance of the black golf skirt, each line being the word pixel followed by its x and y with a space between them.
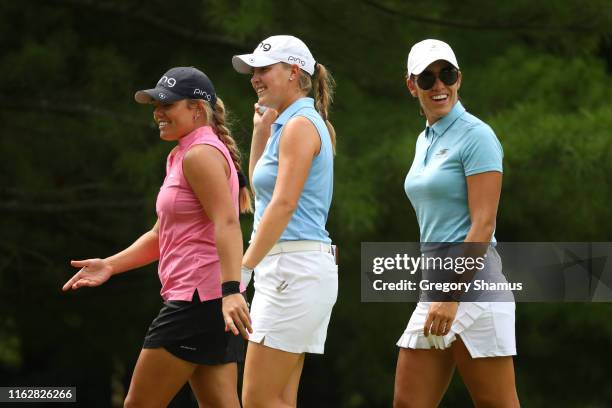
pixel 195 332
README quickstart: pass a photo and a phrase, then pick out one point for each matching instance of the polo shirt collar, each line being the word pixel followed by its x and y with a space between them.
pixel 443 124
pixel 188 139
pixel 292 109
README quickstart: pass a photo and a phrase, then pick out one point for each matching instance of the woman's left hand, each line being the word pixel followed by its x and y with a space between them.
pixel 236 315
pixel 440 318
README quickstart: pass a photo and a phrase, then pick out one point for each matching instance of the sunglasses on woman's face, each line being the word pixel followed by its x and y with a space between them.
pixel 427 79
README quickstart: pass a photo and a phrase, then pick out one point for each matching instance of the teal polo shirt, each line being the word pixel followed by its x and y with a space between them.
pixel 456 146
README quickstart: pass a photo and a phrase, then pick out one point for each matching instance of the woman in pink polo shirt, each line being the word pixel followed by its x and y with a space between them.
pixel 198 242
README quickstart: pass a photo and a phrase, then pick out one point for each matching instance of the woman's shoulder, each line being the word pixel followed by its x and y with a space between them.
pixel 309 113
pixel 471 121
pixel 474 127
pixel 299 127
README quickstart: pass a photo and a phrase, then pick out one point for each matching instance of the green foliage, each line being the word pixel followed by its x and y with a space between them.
pixel 82 165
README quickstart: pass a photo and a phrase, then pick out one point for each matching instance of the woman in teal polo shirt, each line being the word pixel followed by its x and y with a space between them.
pixel 291 168
pixel 454 185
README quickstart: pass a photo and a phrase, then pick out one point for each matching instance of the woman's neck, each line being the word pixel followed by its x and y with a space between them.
pixel 289 102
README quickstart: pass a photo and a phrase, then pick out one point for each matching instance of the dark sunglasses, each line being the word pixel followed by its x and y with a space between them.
pixel 427 79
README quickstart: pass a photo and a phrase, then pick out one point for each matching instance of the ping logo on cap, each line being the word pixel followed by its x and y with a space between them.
pixel 203 93
pixel 296 60
pixel 170 82
pixel 265 46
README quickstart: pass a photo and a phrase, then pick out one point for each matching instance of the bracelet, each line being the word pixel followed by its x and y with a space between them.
pixel 230 288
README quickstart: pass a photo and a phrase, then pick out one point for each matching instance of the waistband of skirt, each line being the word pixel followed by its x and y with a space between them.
pixel 298 246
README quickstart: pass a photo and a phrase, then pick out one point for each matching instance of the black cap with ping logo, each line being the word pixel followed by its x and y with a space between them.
pixel 180 83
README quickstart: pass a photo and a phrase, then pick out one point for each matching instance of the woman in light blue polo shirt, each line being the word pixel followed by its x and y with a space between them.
pixel 454 185
pixel 291 168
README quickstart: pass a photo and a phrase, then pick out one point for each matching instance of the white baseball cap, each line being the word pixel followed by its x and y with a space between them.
pixel 278 48
pixel 427 51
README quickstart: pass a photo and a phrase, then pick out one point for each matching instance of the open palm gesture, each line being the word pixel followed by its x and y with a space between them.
pixel 93 272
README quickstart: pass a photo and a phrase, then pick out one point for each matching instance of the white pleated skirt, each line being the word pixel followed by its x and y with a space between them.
pixel 486 329
pixel 294 296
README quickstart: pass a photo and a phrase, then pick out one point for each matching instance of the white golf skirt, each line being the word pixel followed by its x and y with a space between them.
pixel 486 328
pixel 294 296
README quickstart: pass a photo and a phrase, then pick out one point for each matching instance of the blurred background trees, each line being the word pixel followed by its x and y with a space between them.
pixel 82 163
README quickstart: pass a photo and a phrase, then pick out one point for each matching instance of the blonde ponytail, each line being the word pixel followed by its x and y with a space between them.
pixel 324 86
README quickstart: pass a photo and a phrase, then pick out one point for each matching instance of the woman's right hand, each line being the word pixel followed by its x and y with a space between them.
pixel 263 117
pixel 236 315
pixel 440 318
pixel 93 272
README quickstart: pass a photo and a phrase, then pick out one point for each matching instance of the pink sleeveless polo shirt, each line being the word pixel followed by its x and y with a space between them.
pixel 188 258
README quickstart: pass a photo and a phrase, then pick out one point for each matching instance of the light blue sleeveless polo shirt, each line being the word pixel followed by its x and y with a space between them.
pixel 309 219
pixel 456 146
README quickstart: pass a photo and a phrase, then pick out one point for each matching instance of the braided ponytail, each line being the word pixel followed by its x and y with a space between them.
pixel 215 117
pixel 324 85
